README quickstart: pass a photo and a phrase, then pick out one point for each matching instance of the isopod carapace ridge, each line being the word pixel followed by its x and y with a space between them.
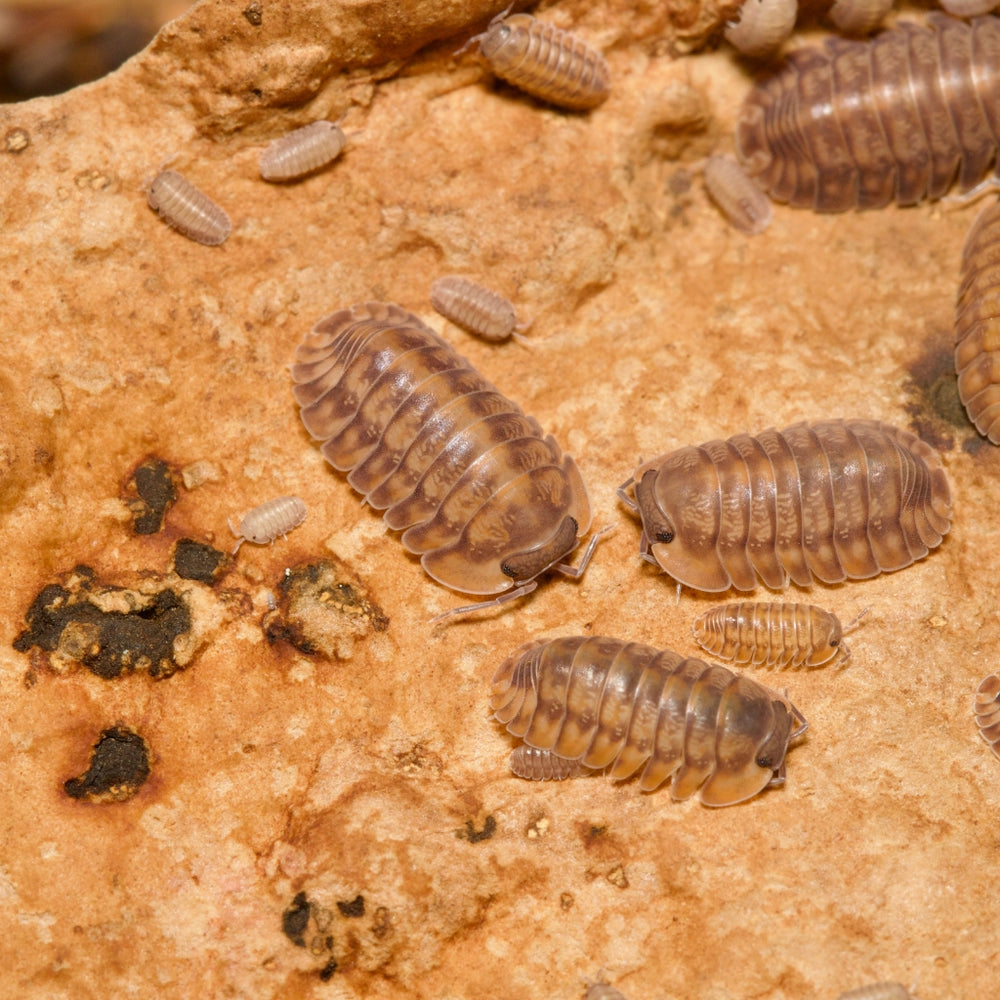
pixel 486 499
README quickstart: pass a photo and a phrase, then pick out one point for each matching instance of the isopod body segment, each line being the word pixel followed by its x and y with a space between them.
pixel 474 308
pixel 271 519
pixel 486 499
pixel 987 711
pixel 858 124
pixel 624 707
pixel 190 211
pixel 302 151
pixel 829 501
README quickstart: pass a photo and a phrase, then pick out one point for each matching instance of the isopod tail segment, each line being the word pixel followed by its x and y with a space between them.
pixel 525 567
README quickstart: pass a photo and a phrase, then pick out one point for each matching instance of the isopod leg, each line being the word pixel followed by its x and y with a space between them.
pixel 625 498
pixel 510 595
pixel 577 571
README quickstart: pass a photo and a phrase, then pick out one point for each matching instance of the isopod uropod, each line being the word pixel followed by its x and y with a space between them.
pixel 878 991
pixel 190 211
pixel 622 706
pixel 302 151
pixel 478 490
pixel 762 26
pixel 265 523
pixel 858 124
pixel 474 308
pixel 829 501
pixel 779 635
pixel 987 711
pixel 736 193
pixel 544 61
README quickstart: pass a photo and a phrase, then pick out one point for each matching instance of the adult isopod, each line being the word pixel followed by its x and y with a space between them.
pixel 829 501
pixel 736 193
pixel 190 211
pixel 977 324
pixel 857 124
pixel 302 151
pixel 987 711
pixel 544 61
pixel 762 26
pixel 621 706
pixel 474 308
pixel 778 635
pixel 878 991
pixel 265 523
pixel 477 489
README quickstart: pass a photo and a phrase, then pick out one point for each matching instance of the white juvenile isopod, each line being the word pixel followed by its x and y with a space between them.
pixel 477 309
pixel 736 193
pixel 859 17
pixel 302 152
pixel 265 523
pixel 969 8
pixel 762 26
pixel 987 711
pixel 190 211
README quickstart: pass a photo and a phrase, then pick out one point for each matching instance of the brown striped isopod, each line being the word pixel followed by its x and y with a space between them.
pixel 878 991
pixel 622 706
pixel 474 308
pixel 830 501
pixel 977 324
pixel 479 491
pixel 859 17
pixel 302 151
pixel 265 523
pixel 762 26
pixel 858 124
pixel 190 211
pixel 775 634
pixel 987 711
pixel 544 61
pixel 736 193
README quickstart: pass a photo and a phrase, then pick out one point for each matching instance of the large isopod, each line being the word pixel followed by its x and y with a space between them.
pixel 544 61
pixel 623 707
pixel 987 711
pixel 775 634
pixel 479 491
pixel 190 211
pixel 977 324
pixel 828 501
pixel 858 124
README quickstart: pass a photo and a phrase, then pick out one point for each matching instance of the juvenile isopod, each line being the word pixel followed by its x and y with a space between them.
pixel 603 991
pixel 858 124
pixel 762 26
pixel 977 324
pixel 859 17
pixel 619 707
pixel 544 61
pixel 542 765
pixel 265 523
pixel 736 193
pixel 301 152
pixel 831 501
pixel 778 635
pixel 987 711
pixel 479 491
pixel 474 308
pixel 878 991
pixel 969 8
pixel 190 211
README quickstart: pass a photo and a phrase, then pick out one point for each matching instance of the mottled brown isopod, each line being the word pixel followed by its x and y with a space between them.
pixel 265 523
pixel 859 17
pixel 474 308
pixel 762 26
pixel 829 501
pixel 736 193
pixel 987 711
pixel 545 61
pixel 619 706
pixel 302 152
pixel 479 491
pixel 190 211
pixel 878 991
pixel 858 124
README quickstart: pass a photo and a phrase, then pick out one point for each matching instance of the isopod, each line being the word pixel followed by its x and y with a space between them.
pixel 619 706
pixel 301 152
pixel 857 124
pixel 190 211
pixel 736 193
pixel 474 308
pixel 602 991
pixel 265 523
pixel 878 991
pixel 762 26
pixel 544 61
pixel 477 489
pixel 987 711
pixel 542 765
pixel 977 324
pixel 778 635
pixel 829 501
pixel 859 17
pixel 968 8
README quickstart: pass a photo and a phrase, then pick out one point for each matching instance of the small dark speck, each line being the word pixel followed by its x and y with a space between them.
pixel 474 836
pixel 295 919
pixel 254 13
pixel 326 973
pixel 352 908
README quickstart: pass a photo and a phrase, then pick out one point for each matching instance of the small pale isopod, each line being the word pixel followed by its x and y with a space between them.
pixel 301 152
pixel 977 324
pixel 858 124
pixel 987 711
pixel 762 26
pixel 878 991
pixel 544 61
pixel 542 765
pixel 265 523
pixel 778 635
pixel 969 8
pixel 736 193
pixel 474 308
pixel 859 17
pixel 831 501
pixel 603 991
pixel 619 706
pixel 479 491
pixel 190 211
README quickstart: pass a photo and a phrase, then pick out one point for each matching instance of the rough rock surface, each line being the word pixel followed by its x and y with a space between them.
pixel 329 810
